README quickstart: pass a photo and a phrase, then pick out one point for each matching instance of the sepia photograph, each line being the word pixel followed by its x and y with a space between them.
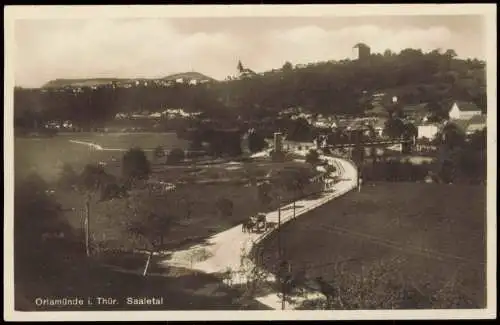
pixel 305 162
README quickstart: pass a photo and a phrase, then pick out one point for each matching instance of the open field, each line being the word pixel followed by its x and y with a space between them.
pixel 47 155
pixel 436 232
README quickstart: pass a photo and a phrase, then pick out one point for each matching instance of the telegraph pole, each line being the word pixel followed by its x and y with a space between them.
pixel 87 226
pixel 280 275
pixel 279 231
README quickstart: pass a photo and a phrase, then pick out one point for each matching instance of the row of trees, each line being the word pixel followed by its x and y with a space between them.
pixel 328 87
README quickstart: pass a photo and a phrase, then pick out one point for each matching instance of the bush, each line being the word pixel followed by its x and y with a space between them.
pixel 135 164
pixel 175 156
pixel 312 157
pixel 264 194
pixel 94 177
pixel 256 142
pixel 112 191
pixel 68 177
pixel 159 152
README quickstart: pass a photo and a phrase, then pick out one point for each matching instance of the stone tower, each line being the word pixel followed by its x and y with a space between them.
pixel 278 142
pixel 361 51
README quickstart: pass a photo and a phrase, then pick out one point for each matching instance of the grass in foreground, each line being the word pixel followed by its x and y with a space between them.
pixel 180 289
pixel 436 233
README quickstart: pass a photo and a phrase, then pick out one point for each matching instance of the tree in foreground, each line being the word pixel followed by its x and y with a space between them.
pixel 135 164
pixel 151 231
pixel 394 128
pixel 452 136
pixel 94 177
pixel 150 219
pixel 256 142
pixel 312 157
pixel 45 244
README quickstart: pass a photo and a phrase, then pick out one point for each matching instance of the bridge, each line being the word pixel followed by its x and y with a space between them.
pixel 323 143
pixel 379 143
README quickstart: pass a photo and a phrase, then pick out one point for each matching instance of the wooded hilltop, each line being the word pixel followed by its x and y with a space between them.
pixel 329 88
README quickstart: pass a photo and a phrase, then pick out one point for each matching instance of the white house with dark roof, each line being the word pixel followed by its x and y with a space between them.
pixel 463 110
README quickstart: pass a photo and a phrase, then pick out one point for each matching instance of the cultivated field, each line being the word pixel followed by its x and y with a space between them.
pixel 430 237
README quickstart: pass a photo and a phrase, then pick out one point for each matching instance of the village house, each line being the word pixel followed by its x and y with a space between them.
pixel 377 111
pixel 427 131
pixel 322 122
pixel 155 115
pixel 415 112
pixel 377 99
pixel 463 110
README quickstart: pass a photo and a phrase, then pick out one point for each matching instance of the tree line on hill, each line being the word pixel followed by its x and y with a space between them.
pixel 333 87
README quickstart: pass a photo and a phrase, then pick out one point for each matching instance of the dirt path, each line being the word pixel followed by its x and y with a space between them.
pixel 223 251
pixel 100 148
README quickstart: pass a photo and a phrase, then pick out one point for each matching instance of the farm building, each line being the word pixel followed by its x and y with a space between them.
pixel 463 110
pixel 416 111
pixel 428 131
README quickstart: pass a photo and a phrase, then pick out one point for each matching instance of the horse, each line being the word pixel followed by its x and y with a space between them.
pixel 246 226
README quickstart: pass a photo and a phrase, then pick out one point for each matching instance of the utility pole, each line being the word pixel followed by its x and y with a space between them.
pixel 280 258
pixel 279 231
pixel 87 226
pixel 283 295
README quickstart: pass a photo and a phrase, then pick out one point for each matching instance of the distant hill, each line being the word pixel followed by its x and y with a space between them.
pixel 189 76
pixel 59 83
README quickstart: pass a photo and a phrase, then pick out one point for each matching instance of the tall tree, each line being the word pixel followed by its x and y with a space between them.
pixel 135 164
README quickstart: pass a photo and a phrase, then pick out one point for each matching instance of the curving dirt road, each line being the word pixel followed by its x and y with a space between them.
pixel 224 250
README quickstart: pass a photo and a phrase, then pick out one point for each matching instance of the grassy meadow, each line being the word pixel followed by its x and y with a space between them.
pixel 47 155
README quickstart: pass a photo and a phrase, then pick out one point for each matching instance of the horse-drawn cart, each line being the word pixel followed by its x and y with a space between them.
pixel 256 223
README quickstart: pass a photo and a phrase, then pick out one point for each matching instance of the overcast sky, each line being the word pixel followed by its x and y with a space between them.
pixel 49 49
